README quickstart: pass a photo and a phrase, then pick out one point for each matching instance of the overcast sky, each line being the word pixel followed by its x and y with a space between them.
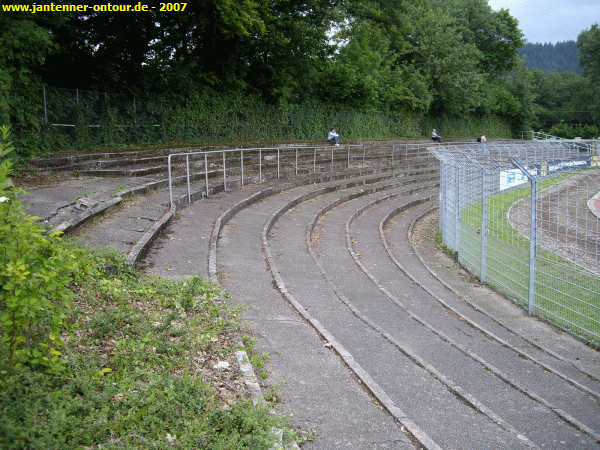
pixel 551 20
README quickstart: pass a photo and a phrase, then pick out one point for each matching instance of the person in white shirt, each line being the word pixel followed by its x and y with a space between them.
pixel 333 138
pixel 483 141
pixel 435 137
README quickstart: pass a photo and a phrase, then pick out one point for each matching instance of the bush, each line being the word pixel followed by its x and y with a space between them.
pixel 35 298
pixel 570 131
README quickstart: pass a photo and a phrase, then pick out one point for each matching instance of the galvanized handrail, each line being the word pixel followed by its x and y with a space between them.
pixel 297 154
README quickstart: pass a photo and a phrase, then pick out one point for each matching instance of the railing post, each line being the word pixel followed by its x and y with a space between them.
pixel 224 173
pixel 364 154
pixel 170 181
pixel 278 163
pixel 296 162
pixel 187 174
pixel 242 167
pixel 260 165
pixel 206 172
pixel 348 151
pixel 315 160
pixel 331 159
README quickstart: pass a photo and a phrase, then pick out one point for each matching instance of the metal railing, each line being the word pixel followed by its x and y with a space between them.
pixel 517 217
pixel 242 166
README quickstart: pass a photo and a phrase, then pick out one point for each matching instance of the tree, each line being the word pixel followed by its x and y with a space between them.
pixel 513 98
pixel 449 64
pixel 495 33
pixel 366 73
pixel 589 52
pixel 24 46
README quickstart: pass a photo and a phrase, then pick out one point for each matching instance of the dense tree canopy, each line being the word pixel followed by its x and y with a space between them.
pixel 589 52
pixel 442 58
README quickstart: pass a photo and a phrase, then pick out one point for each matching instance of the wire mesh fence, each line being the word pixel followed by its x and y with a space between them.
pixel 67 117
pixel 524 219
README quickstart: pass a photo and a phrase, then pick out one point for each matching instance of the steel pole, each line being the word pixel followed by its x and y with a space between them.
pixel 224 174
pixel 484 219
pixel 206 172
pixel 170 181
pixel 532 245
pixel 187 174
pixel 242 167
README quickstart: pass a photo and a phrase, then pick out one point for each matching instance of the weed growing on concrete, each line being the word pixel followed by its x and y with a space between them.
pixel 139 370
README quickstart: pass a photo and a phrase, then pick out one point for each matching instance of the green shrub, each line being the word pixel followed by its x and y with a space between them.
pixel 570 130
pixel 37 270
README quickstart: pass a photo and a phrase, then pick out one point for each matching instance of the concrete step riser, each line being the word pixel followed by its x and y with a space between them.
pixel 139 160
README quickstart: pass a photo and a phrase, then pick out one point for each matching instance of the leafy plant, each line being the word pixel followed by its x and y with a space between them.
pixel 35 299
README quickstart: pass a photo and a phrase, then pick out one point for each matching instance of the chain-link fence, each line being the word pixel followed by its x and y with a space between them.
pixel 84 118
pixel 525 219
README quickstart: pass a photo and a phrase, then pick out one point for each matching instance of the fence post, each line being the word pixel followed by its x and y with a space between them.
pixel 187 174
pixel 456 211
pixel 315 160
pixel 532 245
pixel 484 219
pixel 44 103
pixel 364 154
pixel 259 165
pixel 484 214
pixel 443 199
pixel 224 173
pixel 331 159
pixel 170 181
pixel 532 235
pixel 242 167
pixel 206 172
pixel 296 162
pixel 348 152
pixel 278 163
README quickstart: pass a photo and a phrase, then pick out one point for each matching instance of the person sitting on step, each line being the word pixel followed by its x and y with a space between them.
pixel 333 138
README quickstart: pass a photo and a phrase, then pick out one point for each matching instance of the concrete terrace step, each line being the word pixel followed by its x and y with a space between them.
pixel 180 244
pixel 496 352
pixel 154 157
pixel 570 424
pixel 396 379
pixel 129 227
pixel 315 381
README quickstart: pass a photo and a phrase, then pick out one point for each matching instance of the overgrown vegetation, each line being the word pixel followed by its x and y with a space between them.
pixel 280 70
pixel 230 71
pixel 95 354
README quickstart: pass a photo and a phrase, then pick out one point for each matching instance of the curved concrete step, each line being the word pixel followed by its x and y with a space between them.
pixel 492 417
pixel 444 300
pixel 302 285
pixel 450 332
pixel 315 382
